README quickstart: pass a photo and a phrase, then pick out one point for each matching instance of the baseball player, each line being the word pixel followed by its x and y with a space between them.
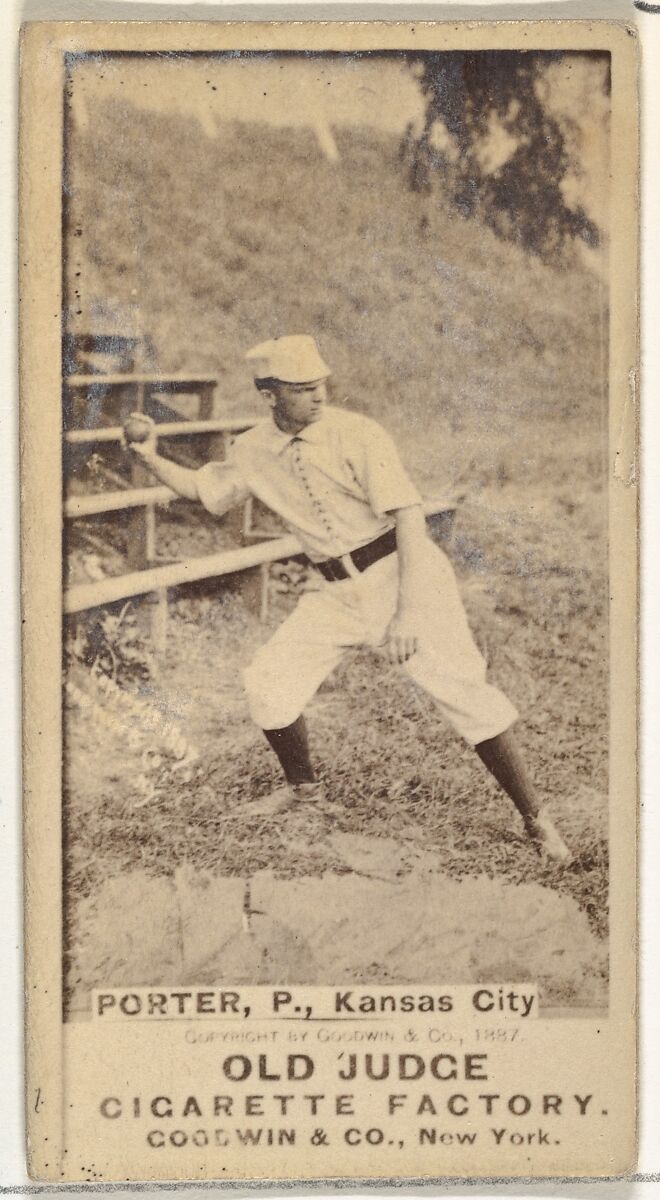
pixel 336 480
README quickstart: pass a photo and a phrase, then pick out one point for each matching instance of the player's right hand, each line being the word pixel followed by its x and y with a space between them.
pixel 139 434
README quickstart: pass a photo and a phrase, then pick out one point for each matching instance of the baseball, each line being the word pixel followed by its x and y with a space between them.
pixel 138 429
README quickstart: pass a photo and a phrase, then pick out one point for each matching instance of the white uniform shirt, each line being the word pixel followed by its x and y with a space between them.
pixel 333 484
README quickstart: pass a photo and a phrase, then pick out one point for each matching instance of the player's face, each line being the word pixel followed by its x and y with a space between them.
pixel 296 405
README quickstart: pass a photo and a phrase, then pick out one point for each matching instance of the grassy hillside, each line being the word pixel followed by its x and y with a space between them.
pixel 428 320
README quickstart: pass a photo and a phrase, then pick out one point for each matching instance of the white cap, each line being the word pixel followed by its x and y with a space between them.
pixel 293 359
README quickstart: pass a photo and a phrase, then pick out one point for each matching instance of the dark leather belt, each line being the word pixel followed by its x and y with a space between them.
pixel 333 569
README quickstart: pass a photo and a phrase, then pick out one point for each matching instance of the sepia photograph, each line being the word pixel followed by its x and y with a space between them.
pixel 335 408
pixel 328 370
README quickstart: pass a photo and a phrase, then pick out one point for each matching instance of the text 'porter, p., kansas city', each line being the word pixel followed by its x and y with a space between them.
pixel 517 1001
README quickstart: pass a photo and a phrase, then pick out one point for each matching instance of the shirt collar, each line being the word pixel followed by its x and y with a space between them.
pixel 278 440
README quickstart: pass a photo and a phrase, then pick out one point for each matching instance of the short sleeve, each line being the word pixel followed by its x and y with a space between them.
pixel 381 472
pixel 220 486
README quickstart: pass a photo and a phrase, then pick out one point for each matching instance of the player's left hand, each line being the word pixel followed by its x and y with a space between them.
pixel 401 639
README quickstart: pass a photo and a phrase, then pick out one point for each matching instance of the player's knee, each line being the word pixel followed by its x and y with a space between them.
pixel 256 678
pixel 271 696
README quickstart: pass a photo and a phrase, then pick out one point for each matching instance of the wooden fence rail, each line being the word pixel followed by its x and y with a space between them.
pixel 101 502
pixel 113 433
pixel 225 562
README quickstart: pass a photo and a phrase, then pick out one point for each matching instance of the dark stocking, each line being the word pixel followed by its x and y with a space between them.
pixel 292 749
pixel 504 760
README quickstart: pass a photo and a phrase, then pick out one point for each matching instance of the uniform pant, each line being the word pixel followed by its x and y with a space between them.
pixel 287 671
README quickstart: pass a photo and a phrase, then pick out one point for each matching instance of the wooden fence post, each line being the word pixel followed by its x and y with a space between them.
pixel 142 534
pixel 140 529
pixel 206 400
pixel 159 621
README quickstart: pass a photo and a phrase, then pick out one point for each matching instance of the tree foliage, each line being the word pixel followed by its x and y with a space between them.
pixel 470 94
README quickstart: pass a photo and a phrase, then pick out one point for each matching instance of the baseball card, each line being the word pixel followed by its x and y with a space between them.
pixel 329 362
